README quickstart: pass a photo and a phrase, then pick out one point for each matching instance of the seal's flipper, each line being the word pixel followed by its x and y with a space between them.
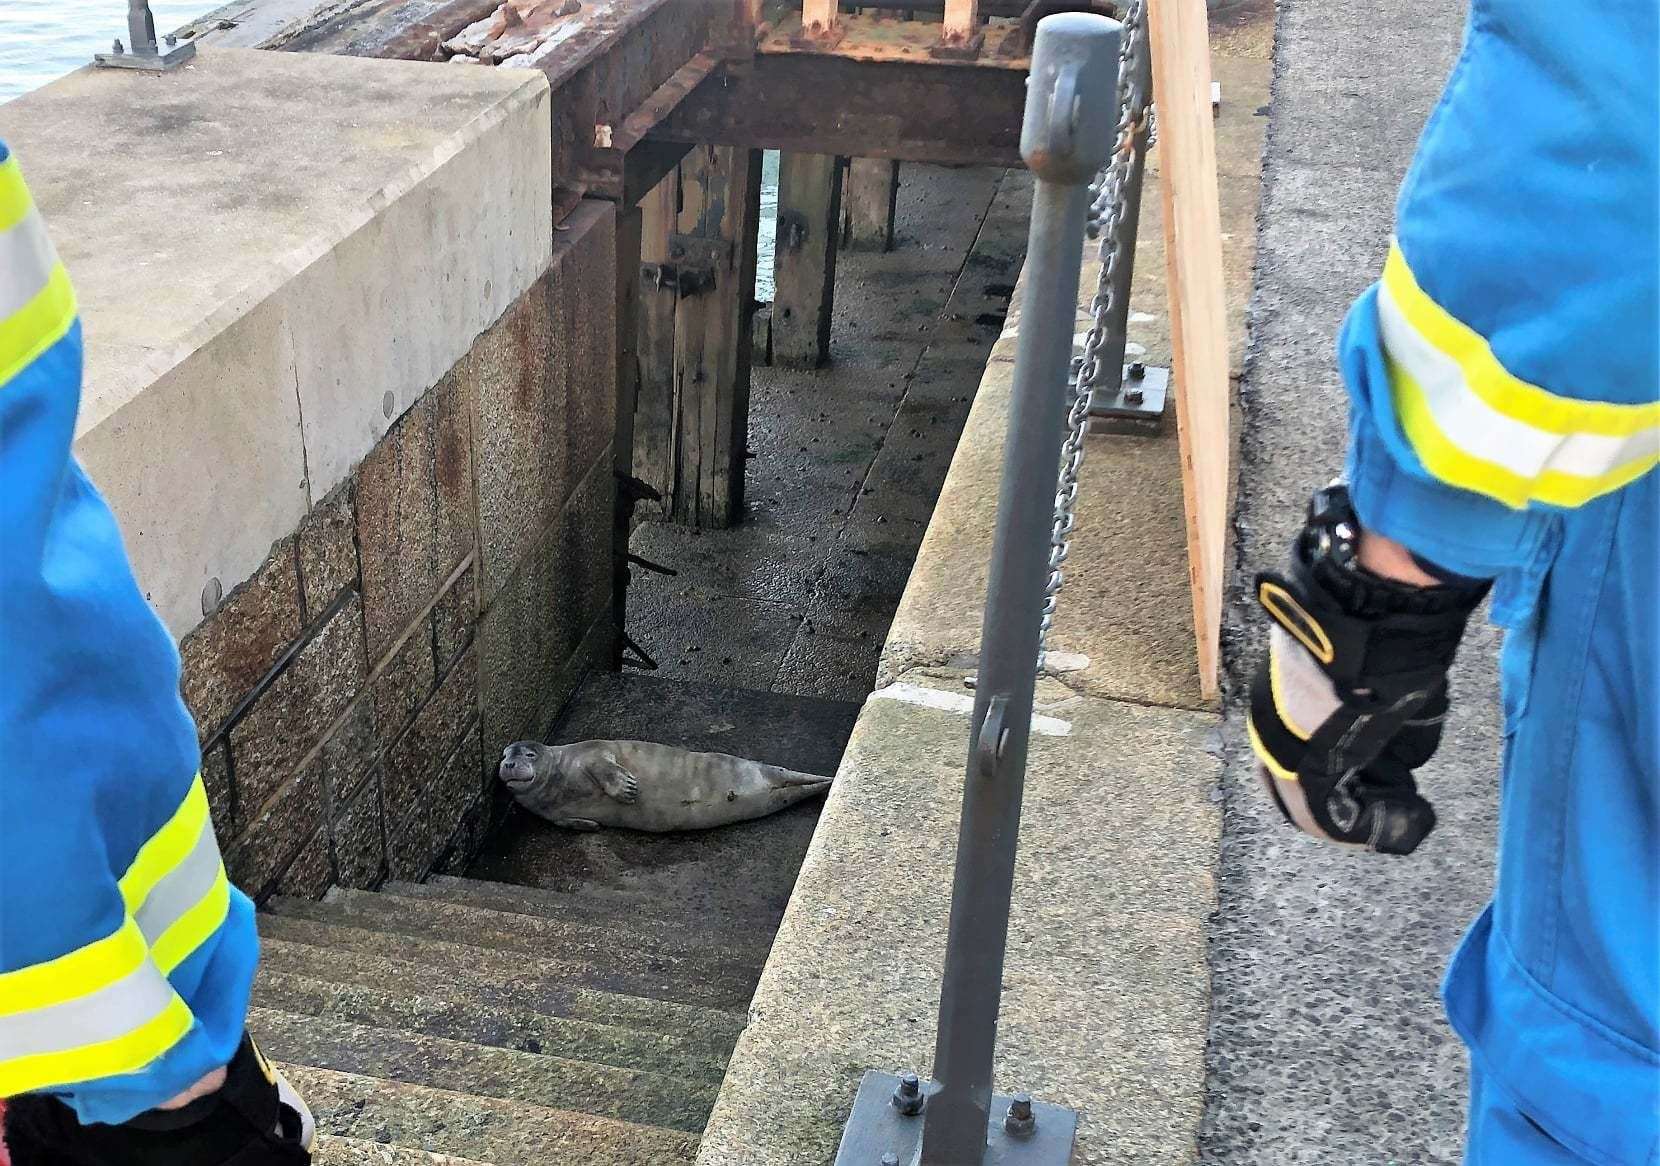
pixel 789 777
pixel 614 781
pixel 586 825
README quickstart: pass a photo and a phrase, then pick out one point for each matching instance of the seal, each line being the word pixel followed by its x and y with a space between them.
pixel 640 785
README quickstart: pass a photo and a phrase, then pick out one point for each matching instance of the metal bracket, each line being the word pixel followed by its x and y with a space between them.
pixel 694 263
pixel 146 54
pixel 988 747
pixel 881 1133
pixel 1137 407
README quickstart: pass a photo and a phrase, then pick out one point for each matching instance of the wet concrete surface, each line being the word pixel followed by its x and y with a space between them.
pixel 845 461
pixel 768 638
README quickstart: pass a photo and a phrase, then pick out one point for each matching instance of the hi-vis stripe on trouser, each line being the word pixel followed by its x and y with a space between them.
pixel 37 303
pixel 107 1008
pixel 1476 426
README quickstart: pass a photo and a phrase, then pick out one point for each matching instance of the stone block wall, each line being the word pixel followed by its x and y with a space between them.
pixel 354 694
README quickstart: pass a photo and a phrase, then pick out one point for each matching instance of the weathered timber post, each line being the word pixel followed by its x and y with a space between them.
pixel 956 1121
pixel 654 416
pixel 869 203
pixel 712 256
pixel 804 259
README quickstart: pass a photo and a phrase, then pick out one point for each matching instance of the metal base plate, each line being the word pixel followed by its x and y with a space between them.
pixel 1117 413
pixel 878 1134
pixel 158 62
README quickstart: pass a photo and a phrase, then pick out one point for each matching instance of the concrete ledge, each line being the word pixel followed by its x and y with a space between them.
pixel 276 255
pixel 1106 989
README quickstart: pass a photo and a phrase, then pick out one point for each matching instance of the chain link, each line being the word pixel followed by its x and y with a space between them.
pixel 1135 112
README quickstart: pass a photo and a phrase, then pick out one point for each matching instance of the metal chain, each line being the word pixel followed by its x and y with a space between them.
pixel 1106 204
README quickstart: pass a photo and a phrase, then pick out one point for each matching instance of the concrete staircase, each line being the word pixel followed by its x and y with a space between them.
pixel 469 1022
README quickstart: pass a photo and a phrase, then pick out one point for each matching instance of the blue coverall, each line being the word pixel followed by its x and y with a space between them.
pixel 1504 376
pixel 126 957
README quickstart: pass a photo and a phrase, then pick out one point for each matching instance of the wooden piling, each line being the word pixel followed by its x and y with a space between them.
pixel 804 260
pixel 869 203
pixel 654 415
pixel 720 210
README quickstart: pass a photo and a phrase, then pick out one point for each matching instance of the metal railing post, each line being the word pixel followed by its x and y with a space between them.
pixel 145 53
pixel 1066 137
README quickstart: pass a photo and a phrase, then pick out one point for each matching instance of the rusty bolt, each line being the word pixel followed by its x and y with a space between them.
pixel 908 1099
pixel 1134 396
pixel 171 40
pixel 117 47
pixel 1020 1123
pixel 1137 371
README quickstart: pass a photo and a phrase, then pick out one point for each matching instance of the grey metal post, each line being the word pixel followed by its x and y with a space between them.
pixel 1070 124
pixel 145 53
pixel 1067 134
pixel 1110 374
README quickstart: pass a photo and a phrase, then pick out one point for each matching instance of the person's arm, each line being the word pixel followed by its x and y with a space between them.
pixel 125 955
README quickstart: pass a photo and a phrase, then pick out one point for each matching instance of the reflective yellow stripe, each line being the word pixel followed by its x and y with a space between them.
pixel 76 974
pixel 14 194
pixel 127 1053
pixel 1267 758
pixel 167 847
pixel 1445 459
pixel 1477 427
pixel 38 325
pixel 194 927
pixel 1489 379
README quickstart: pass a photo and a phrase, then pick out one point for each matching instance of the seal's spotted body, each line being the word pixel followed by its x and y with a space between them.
pixel 640 785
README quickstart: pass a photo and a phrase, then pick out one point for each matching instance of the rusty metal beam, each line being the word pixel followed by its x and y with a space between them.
pixel 619 166
pixel 955 113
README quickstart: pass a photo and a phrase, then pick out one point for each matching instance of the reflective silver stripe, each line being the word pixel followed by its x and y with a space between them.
pixel 182 887
pixel 112 1011
pixel 26 262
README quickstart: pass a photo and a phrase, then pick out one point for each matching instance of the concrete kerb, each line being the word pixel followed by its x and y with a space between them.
pixel 1106 988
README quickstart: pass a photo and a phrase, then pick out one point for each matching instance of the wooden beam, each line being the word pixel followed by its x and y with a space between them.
pixel 1198 324
pixel 654 409
pixel 720 213
pixel 960 32
pixel 804 258
pixel 820 20
pixel 948 112
pixel 869 203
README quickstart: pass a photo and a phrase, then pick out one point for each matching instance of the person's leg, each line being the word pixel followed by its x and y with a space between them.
pixel 1500 1134
pixel 254 1120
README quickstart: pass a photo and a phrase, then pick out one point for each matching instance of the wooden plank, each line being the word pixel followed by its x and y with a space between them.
pixel 804 258
pixel 720 205
pixel 917 111
pixel 819 18
pixel 654 394
pixel 1198 322
pixel 869 203
pixel 962 22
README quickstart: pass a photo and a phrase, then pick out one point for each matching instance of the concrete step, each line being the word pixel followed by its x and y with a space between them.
pixel 331 1151
pixel 483 1129
pixel 556 1082
pixel 508 1028
pixel 479 977
pixel 576 924
pixel 399 928
pixel 747 933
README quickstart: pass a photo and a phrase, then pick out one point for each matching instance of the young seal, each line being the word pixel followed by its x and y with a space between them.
pixel 639 785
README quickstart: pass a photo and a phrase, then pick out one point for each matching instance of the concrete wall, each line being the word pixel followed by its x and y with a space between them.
pixel 351 397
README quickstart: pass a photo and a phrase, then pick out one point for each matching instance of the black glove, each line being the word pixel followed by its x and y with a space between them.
pixel 1353 692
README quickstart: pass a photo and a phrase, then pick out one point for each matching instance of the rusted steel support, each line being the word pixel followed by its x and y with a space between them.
pixel 916 110
pixel 611 169
pixel 804 258
pixel 869 203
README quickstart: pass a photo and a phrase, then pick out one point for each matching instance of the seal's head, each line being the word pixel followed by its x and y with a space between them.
pixel 522 765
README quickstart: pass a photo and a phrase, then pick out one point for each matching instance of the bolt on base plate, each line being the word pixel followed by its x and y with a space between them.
pixel 1137 407
pixel 879 1133
pixel 163 59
